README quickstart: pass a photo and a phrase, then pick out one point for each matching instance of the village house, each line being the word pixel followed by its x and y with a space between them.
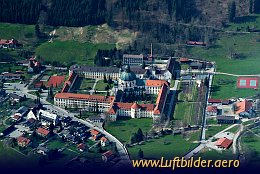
pixel 47 118
pixel 211 110
pixel 95 134
pixel 244 109
pixel 104 141
pixel 108 156
pixel 12 43
pixel 14 98
pixel 43 132
pixel 23 142
pixel 42 150
pixel 223 143
pixel 81 147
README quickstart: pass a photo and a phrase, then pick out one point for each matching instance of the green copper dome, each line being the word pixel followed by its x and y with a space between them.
pixel 127 75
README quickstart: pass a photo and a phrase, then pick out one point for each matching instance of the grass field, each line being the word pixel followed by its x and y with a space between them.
pixel 125 127
pixel 87 83
pixel 215 155
pixel 225 87
pixel 101 85
pixel 167 146
pixel 251 21
pixel 20 32
pixel 184 111
pixel 245 44
pixel 69 52
pixel 213 130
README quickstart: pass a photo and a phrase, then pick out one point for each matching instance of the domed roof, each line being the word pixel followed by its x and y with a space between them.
pixel 127 75
pixel 135 106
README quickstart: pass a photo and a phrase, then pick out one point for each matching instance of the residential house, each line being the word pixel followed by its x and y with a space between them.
pixel 224 143
pixel 96 119
pixel 81 147
pixel 108 156
pixel 42 150
pixel 16 117
pixel 211 110
pixel 43 132
pixel 47 118
pixel 23 142
pixel 244 109
pixel 14 98
pixel 104 141
pixel 95 134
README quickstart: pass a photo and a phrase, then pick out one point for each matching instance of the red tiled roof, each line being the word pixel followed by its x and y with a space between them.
pixel 87 97
pixel 212 108
pixel 157 83
pixel 243 106
pixel 214 100
pixel 43 131
pixel 224 142
pixel 160 100
pixel 22 139
pixel 104 139
pixel 94 132
pixel 55 81
pixel 81 146
pixel 16 116
pixel 184 59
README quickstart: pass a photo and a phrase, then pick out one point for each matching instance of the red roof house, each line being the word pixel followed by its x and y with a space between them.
pixel 43 132
pixel 23 142
pixel 224 143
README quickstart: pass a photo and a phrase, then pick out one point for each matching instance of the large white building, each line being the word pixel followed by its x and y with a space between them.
pixel 131 59
pixel 47 118
pixel 83 101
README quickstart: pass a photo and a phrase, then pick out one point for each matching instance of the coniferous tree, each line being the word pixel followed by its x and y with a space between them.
pixel 232 11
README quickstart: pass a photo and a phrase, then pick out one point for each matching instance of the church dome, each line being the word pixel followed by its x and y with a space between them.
pixel 127 75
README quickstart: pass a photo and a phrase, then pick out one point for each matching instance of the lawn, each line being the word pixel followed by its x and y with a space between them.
pixel 86 84
pixel 213 130
pixel 225 87
pixel 123 128
pixel 234 129
pixel 247 45
pixel 70 52
pixel 19 32
pixel 210 154
pixel 167 146
pixel 101 85
pixel 241 23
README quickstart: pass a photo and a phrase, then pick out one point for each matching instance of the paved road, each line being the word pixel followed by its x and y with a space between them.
pixel 21 90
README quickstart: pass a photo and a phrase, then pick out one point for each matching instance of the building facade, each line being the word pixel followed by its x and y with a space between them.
pixel 83 101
